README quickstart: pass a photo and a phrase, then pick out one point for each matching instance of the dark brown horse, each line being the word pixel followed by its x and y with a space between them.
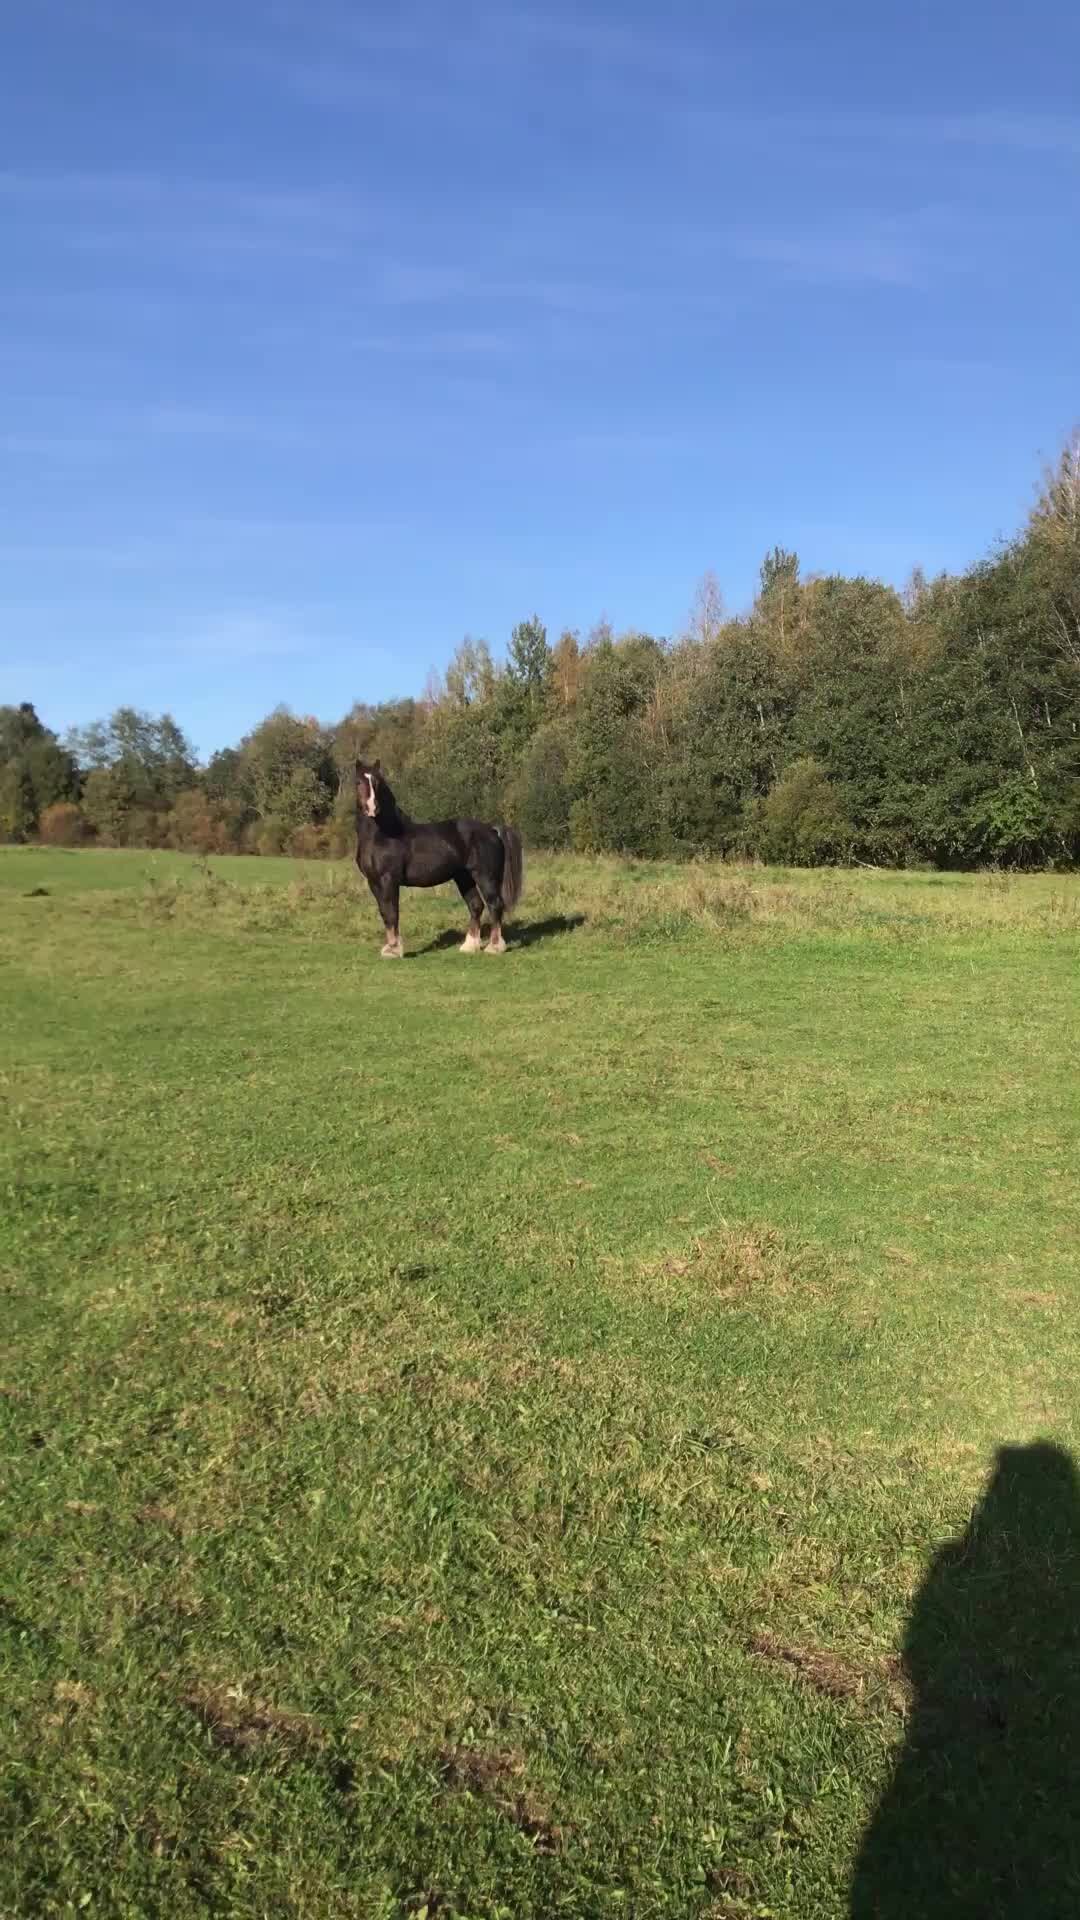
pixel 485 863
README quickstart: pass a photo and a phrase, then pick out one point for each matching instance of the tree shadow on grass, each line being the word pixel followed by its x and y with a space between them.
pixel 981 1819
pixel 522 933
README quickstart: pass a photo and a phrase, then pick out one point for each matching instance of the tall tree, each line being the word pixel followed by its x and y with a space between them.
pixel 528 659
pixel 35 771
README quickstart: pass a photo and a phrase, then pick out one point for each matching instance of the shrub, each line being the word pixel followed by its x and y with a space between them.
pixel 1012 823
pixel 192 827
pixel 145 827
pixel 62 825
pixel 803 819
pixel 270 835
pixel 309 842
pixel 341 836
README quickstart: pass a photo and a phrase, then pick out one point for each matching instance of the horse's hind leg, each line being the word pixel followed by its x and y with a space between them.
pixel 496 907
pixel 474 900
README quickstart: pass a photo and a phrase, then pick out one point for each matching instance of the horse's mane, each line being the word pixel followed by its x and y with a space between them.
pixel 390 814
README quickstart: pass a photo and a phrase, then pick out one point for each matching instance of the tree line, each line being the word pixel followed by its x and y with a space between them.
pixel 838 720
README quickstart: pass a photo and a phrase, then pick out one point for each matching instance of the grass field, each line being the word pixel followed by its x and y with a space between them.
pixel 521 1438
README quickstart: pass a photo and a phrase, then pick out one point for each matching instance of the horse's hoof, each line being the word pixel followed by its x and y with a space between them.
pixel 391 953
pixel 471 946
pixel 492 948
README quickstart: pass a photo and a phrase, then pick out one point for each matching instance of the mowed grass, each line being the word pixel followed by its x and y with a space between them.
pixel 483 1436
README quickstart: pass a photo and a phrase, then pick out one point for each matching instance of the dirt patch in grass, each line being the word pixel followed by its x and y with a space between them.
pixel 73 1696
pixel 154 1514
pixel 734 1264
pixel 245 1725
pixel 498 1775
pixel 835 1676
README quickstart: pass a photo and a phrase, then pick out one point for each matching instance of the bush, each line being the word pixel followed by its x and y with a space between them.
pixel 62 825
pixel 803 819
pixel 341 836
pixel 269 836
pixel 192 827
pixel 1012 824
pixel 309 842
pixel 145 827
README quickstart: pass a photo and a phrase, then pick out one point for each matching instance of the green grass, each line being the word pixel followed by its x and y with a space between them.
pixel 483 1436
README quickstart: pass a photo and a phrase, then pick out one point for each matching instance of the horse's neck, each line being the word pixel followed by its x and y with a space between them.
pixel 391 817
pixel 390 820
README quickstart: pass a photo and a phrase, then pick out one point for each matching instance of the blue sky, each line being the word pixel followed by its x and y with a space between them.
pixel 332 331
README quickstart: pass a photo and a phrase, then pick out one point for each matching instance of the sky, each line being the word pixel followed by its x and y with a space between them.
pixel 333 331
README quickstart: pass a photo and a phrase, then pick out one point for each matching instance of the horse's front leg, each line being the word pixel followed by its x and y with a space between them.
pixel 386 899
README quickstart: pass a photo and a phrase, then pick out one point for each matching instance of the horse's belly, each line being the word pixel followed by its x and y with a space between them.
pixel 430 866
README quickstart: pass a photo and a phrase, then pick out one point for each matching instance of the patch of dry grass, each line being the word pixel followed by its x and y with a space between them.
pixel 623 899
pixel 235 1721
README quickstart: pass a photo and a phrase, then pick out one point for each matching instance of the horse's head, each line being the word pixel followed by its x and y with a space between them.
pixel 370 787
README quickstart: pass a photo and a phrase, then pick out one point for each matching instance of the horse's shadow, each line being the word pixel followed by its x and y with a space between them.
pixel 524 933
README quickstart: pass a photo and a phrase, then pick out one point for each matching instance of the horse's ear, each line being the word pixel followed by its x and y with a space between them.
pixel 377 768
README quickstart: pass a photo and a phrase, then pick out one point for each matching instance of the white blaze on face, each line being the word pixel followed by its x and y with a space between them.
pixel 368 801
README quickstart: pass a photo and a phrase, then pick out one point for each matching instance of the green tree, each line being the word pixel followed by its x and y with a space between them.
pixel 289 763
pixel 522 692
pixel 108 803
pixel 471 675
pixel 543 793
pixel 18 815
pixel 18 727
pixel 779 602
pixel 144 763
pixel 614 763
pixel 528 660
pixel 724 740
pixel 849 682
pixel 35 771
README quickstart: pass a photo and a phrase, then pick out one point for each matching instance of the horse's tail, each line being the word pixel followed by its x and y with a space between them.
pixel 514 867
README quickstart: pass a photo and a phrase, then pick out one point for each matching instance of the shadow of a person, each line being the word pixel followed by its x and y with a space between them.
pixel 982 1815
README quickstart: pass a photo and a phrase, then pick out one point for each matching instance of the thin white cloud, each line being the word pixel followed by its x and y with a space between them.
pixel 634 443
pixel 151 214
pixel 419 284
pixel 912 249
pixel 235 635
pixel 55 446
pixel 1002 127
pixel 1008 129
pixel 451 343
pixel 828 255
pixel 238 634
pixel 612 43
pixel 204 540
pixel 203 423
pixel 121 434
pixel 154 192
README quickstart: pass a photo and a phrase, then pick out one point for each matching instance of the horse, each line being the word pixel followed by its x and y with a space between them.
pixel 485 863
